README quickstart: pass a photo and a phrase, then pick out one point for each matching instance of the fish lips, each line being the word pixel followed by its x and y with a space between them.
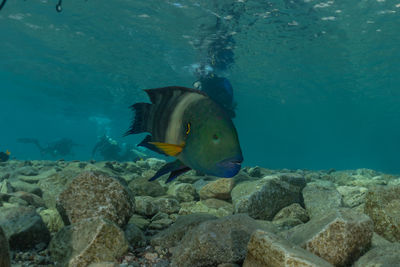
pixel 230 166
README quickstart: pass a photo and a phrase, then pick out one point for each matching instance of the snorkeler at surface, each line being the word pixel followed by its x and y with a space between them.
pixel 59 148
pixel 110 150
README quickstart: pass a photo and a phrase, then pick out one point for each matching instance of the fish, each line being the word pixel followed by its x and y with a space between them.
pixel 187 124
pixel 4 156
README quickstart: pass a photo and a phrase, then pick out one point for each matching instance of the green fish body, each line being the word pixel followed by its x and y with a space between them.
pixel 187 124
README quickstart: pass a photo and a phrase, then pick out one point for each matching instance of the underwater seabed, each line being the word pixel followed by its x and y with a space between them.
pixel 58 213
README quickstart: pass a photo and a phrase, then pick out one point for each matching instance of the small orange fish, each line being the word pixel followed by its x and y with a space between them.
pixel 8 152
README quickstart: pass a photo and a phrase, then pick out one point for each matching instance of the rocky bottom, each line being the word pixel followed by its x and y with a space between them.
pixel 58 213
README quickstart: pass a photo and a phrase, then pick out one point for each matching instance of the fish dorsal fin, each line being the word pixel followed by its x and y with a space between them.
pixel 158 95
pixel 169 149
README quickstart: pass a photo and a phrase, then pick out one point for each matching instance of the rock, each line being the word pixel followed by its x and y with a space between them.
pixel 267 249
pixel 88 241
pixel 52 220
pixel 139 221
pixel 320 199
pixel 228 265
pixel 378 241
pixel 145 205
pixel 212 206
pixel 142 187
pixel 352 196
pixel 171 236
pixel 5 187
pixel 167 205
pixel 183 192
pixel 30 198
pixel 384 256
pixel 54 185
pixel 26 187
pixel 104 264
pixel 219 189
pixel 23 227
pixel 215 242
pixel 382 204
pixel 134 235
pixel 339 237
pixel 294 211
pixel 263 198
pixel 5 260
pixel 93 194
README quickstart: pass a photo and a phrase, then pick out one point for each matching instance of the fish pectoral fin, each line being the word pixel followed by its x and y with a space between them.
pixel 169 149
pixel 175 168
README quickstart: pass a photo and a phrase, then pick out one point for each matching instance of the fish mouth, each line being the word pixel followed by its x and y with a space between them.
pixel 230 166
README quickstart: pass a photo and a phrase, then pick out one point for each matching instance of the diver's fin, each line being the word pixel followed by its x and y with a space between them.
pixel 176 168
pixel 142 115
pixel 169 149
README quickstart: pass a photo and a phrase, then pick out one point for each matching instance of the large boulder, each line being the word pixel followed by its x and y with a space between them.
pixel 321 198
pixel 339 237
pixel 214 242
pixel 171 236
pixel 382 204
pixel 88 241
pixel 383 256
pixel 263 198
pixel 94 194
pixel 267 249
pixel 23 227
pixel 5 260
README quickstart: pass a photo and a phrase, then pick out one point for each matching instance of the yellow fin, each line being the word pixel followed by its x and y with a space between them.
pixel 169 149
pixel 8 152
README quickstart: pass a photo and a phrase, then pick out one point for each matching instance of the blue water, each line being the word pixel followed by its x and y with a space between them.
pixel 317 82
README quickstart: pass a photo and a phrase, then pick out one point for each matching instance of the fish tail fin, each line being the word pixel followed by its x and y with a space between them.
pixel 141 121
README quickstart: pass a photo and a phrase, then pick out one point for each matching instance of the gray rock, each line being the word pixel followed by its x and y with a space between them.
pixel 382 204
pixel 212 206
pixel 320 199
pixel 5 260
pixel 52 220
pixel 383 256
pixel 26 187
pixel 23 227
pixel 142 187
pixel 339 237
pixel 378 241
pixel 88 241
pixel 134 235
pixel 93 194
pixel 171 236
pixel 139 221
pixel 263 198
pixel 352 196
pixel 215 242
pixel 144 205
pixel 167 205
pixel 183 192
pixel 54 185
pixel 30 198
pixel 294 211
pixel 5 187
pixel 267 249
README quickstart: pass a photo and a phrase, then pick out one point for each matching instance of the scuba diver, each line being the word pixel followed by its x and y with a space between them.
pixel 59 148
pixel 4 156
pixel 110 150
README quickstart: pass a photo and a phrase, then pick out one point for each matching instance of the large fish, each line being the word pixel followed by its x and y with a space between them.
pixel 187 124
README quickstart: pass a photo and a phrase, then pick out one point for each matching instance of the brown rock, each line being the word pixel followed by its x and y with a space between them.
pixel 339 237
pixel 93 194
pixel 220 189
pixel 267 249
pixel 382 204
